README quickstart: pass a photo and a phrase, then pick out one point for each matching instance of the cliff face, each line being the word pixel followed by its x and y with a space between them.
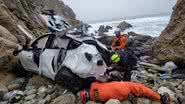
pixel 171 43
pixel 20 21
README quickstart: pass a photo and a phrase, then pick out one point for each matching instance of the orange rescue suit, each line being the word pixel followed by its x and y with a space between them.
pixel 119 90
pixel 119 42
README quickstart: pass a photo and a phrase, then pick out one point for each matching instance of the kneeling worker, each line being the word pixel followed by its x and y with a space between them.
pixel 119 41
pixel 120 90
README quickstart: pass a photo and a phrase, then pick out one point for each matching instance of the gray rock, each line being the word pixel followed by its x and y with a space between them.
pixel 162 90
pixel 143 101
pixel 155 102
pixel 30 97
pixel 181 98
pixel 34 101
pixel 65 99
pixel 183 83
pixel 41 101
pixel 14 87
pixel 102 29
pixel 7 95
pixel 3 91
pixel 180 87
pixel 48 98
pixel 28 102
pixel 126 102
pixel 18 81
pixel 42 89
pixel 33 91
pixel 113 101
pixel 28 87
pixel 50 90
pixel 42 95
pixel 108 27
pixel 54 95
pixel 90 102
pixel 124 25
pixel 4 102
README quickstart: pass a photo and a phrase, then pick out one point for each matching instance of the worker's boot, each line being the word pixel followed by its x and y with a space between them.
pixel 165 98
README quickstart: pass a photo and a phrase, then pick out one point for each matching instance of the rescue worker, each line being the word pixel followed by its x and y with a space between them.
pixel 123 62
pixel 119 41
pixel 102 92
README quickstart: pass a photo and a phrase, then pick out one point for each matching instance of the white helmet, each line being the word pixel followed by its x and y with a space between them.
pixel 117 30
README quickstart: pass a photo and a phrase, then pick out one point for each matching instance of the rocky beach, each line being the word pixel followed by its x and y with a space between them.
pixel 160 60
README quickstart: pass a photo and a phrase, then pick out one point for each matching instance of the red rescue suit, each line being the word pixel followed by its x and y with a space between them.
pixel 120 90
pixel 119 42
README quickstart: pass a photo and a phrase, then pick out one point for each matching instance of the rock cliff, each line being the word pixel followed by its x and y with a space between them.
pixel 171 43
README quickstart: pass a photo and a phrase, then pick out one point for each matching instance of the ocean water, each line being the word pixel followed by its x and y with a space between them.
pixel 152 26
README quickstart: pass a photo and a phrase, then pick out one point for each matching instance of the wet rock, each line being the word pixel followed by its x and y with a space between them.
pixel 124 25
pixel 65 99
pixel 143 101
pixel 103 28
pixel 108 27
pixel 30 97
pixel 14 87
pixel 113 101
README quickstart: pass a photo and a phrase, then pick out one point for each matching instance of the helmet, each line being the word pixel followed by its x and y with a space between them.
pixel 115 58
pixel 117 31
pixel 84 95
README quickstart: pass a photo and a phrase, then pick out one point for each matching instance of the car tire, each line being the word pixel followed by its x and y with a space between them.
pixel 71 81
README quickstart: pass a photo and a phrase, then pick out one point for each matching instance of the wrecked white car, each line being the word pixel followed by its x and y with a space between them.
pixel 74 60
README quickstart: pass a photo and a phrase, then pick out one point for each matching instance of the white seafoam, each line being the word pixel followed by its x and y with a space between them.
pixel 152 26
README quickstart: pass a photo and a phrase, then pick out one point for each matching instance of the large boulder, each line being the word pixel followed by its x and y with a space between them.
pixel 103 28
pixel 124 25
pixel 170 46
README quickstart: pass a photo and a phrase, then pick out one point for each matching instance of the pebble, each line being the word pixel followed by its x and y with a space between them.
pixel 42 95
pixel 48 98
pixel 4 102
pixel 113 101
pixel 143 101
pixel 42 89
pixel 41 101
pixel 65 99
pixel 14 87
pixel 30 97
pixel 18 81
pixel 33 91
